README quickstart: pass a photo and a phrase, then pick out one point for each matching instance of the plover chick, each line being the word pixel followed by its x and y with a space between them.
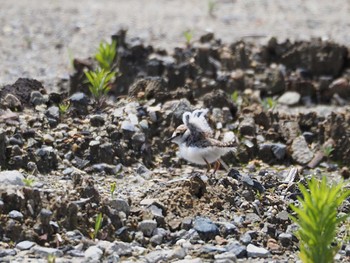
pixel 195 141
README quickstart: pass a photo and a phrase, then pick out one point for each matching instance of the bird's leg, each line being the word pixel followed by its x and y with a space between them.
pixel 216 166
pixel 208 165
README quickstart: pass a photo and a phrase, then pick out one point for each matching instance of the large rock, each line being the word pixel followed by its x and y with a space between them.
pixel 300 151
pixel 11 178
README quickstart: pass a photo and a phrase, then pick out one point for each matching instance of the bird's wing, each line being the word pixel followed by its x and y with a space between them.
pixel 197 123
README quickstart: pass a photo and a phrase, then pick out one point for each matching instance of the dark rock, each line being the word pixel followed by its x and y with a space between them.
pixel 247 126
pixel 186 223
pixel 237 249
pixel 45 159
pixel 45 216
pixel 16 215
pixel 97 120
pixel 22 89
pixel 219 99
pixel 2 148
pixel 36 98
pixel 205 227
pixel 120 205
pixel 53 112
pixel 79 103
pixel 147 227
pixel 285 239
pixel 124 234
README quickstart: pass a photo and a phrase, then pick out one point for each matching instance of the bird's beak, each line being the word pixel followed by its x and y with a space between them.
pixel 170 139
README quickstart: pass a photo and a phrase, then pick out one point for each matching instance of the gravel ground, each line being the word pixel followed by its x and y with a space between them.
pixel 39 37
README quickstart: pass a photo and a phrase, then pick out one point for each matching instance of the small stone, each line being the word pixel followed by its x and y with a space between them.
pixel 227 257
pixel 14 214
pixel 120 205
pixel 147 227
pixel 289 98
pixel 7 252
pixel 245 239
pixel 11 102
pixel 93 253
pixel 186 223
pixel 156 240
pixel 177 253
pixel 300 151
pixel 48 139
pixel 123 248
pixel 13 177
pixel 257 252
pixel 283 216
pixel 237 249
pixel 53 112
pixel 97 120
pixel 205 228
pixel 279 150
pixel 25 245
pixel 285 239
pixel 46 251
pixel 36 98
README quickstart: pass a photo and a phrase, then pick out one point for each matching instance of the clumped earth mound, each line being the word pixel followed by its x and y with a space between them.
pixel 286 102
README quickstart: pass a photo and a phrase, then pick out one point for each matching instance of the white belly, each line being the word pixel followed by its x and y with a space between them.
pixel 197 155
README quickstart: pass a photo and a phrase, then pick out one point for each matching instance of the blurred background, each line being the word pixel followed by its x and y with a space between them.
pixel 40 37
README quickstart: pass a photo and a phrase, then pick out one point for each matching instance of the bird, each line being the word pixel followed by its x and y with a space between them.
pixel 196 143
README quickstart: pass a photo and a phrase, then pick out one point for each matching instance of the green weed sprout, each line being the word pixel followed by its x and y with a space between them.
pixel 318 219
pixel 28 181
pixel 98 225
pixel 106 55
pixel 99 81
pixel 269 103
pixel 188 34
pixel 235 96
pixel 63 107
pixel 112 188
pixel 327 150
pixel 51 258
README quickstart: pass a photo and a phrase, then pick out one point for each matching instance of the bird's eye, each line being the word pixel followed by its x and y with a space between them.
pixel 177 134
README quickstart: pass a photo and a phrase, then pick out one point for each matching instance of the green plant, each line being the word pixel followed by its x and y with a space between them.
pixel 112 188
pixel 317 218
pixel 99 81
pixel 269 103
pixel 28 181
pixel 98 225
pixel 188 34
pixel 63 107
pixel 235 96
pixel 51 258
pixel 327 150
pixel 106 55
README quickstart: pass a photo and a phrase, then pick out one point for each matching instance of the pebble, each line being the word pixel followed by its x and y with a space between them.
pixel 93 253
pixel 120 205
pixel 123 248
pixel 300 151
pixel 289 98
pixel 147 227
pixel 257 252
pixel 11 178
pixel 45 251
pixel 285 239
pixel 7 252
pixel 14 214
pixel 25 245
pixel 205 228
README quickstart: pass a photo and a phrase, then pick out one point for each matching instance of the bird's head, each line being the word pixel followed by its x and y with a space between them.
pixel 179 135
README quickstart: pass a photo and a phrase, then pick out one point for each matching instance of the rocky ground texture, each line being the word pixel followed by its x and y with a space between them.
pixel 285 101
